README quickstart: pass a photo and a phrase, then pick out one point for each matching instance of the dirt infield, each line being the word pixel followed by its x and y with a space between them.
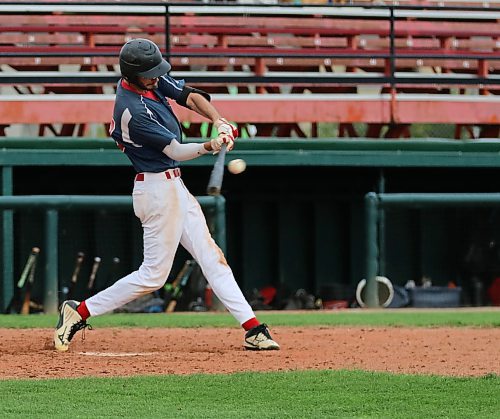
pixel 105 352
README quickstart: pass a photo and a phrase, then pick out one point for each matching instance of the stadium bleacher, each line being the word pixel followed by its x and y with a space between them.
pixel 333 64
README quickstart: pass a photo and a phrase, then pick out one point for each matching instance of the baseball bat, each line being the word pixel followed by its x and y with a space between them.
pixel 29 265
pixel 174 289
pixel 93 273
pixel 80 256
pixel 217 175
pixel 15 303
pixel 25 309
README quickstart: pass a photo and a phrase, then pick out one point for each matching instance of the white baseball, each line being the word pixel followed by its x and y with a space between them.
pixel 237 166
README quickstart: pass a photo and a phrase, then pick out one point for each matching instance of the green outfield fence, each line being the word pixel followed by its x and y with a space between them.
pixel 374 213
pixel 51 204
pixel 335 176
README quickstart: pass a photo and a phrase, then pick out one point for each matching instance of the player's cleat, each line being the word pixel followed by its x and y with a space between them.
pixel 69 323
pixel 259 338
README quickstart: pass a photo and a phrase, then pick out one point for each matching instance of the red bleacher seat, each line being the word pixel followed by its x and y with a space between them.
pixel 314 43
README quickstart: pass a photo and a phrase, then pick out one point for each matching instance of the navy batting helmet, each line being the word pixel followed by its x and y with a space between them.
pixel 142 57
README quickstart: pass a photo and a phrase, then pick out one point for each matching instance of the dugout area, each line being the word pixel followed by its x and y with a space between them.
pixel 294 219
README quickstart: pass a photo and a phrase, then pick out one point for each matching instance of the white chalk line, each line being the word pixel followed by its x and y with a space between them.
pixel 117 354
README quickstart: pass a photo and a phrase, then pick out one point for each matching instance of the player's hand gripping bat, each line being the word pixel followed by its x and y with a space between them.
pixel 217 175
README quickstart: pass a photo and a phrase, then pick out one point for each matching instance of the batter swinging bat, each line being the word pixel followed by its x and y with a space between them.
pixel 215 181
pixel 74 278
pixel 93 273
pixel 25 309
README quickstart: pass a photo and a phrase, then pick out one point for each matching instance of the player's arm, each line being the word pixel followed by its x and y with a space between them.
pixel 198 101
pixel 190 97
pixel 187 151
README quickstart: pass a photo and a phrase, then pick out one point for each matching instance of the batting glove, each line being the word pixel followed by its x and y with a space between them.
pixel 217 142
pixel 224 127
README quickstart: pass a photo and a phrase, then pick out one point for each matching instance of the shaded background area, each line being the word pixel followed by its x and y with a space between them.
pixel 288 227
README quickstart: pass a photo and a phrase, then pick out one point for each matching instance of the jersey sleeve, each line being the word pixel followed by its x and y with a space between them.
pixel 170 87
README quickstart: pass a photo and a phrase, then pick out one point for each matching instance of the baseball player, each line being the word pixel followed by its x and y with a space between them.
pixel 147 130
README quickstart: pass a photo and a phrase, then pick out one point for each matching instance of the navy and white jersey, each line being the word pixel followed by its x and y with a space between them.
pixel 142 127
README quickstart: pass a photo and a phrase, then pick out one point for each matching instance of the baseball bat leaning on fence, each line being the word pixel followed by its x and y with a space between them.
pixel 69 291
pixel 93 274
pixel 174 289
pixel 25 309
pixel 17 300
pixel 217 175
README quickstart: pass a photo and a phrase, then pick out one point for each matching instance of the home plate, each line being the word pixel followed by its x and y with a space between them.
pixel 117 354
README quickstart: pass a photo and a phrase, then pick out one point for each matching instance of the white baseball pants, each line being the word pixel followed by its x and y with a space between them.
pixel 170 215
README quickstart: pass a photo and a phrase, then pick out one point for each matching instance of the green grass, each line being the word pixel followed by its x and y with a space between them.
pixel 290 394
pixel 416 318
pixel 311 394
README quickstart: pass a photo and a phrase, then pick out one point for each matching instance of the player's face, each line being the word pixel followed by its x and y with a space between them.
pixel 147 84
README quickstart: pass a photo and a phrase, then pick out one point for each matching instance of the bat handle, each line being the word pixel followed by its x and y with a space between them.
pixel 217 174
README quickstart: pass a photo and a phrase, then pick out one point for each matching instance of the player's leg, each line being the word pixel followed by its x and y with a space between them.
pixel 197 240
pixel 160 204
